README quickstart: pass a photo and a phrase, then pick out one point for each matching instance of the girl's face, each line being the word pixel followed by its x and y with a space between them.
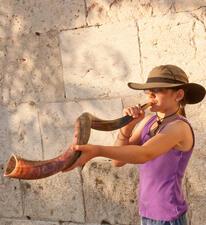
pixel 164 99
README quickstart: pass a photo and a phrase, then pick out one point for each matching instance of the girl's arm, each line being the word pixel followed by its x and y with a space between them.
pixel 170 136
pixel 134 139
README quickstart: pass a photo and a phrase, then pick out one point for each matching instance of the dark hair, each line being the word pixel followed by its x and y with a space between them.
pixel 182 102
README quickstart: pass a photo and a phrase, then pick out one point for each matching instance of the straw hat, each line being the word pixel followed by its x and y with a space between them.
pixel 168 76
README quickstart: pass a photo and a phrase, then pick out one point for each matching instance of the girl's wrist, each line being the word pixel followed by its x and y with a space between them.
pixel 125 135
pixel 99 151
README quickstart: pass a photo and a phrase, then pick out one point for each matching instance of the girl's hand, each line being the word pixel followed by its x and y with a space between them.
pixel 88 152
pixel 137 113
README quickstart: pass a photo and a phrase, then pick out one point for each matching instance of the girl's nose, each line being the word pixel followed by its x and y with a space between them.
pixel 151 97
pixel 152 94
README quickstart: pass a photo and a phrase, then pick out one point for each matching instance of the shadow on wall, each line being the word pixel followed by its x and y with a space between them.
pixel 31 77
pixel 31 72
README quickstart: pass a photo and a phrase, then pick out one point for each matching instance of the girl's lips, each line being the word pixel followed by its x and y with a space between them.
pixel 153 103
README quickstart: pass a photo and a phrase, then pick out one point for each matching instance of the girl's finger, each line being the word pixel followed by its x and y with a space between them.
pixel 135 111
pixel 75 147
pixel 130 111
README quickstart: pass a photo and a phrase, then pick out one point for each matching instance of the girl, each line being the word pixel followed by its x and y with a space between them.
pixel 161 144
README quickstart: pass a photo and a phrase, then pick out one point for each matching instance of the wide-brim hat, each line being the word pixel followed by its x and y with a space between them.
pixel 168 76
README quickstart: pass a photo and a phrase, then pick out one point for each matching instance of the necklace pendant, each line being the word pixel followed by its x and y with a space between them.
pixel 159 122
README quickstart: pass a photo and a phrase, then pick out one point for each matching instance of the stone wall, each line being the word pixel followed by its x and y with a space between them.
pixel 59 58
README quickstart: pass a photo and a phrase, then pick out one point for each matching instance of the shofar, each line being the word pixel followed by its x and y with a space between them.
pixel 21 168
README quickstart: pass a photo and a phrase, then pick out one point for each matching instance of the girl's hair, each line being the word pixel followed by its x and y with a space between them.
pixel 182 102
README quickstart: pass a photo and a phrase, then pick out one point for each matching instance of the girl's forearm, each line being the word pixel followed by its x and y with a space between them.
pixel 133 154
pixel 120 141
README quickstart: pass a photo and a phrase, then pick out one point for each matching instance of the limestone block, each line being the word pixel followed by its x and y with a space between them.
pixel 5 148
pixel 138 97
pixel 10 196
pixel 40 16
pixel 196 186
pixel 24 132
pixel 197 67
pixel 167 40
pixel 25 222
pixel 67 223
pixel 197 118
pixel 32 69
pixel 110 193
pixel 199 14
pixel 102 223
pixel 188 5
pixel 1 177
pixel 185 46
pixel 101 12
pixel 57 126
pixel 106 110
pixel 99 61
pixel 58 197
pixel 57 123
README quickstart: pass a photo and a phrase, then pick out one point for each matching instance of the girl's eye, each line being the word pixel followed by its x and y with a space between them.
pixel 154 90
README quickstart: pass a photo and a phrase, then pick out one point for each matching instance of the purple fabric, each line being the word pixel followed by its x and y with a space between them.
pixel 160 193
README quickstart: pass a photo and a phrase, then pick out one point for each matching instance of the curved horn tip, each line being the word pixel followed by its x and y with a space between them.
pixel 11 165
pixel 85 114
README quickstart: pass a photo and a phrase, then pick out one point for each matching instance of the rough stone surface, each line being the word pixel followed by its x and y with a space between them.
pixel 199 14
pixel 106 110
pixel 198 124
pixel 57 123
pixel 101 12
pixel 196 188
pixel 20 133
pixel 5 147
pixel 112 191
pixel 103 223
pixel 58 197
pixel 59 58
pixel 31 69
pixel 189 5
pixel 97 57
pixel 185 46
pixel 25 222
pixel 67 223
pixel 10 196
pixel 132 100
pixel 40 16
pixel 165 46
pixel 195 178
pixel 24 132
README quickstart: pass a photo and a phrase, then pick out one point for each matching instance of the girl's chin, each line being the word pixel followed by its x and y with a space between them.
pixel 154 108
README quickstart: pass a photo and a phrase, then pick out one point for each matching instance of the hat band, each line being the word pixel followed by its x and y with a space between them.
pixel 164 80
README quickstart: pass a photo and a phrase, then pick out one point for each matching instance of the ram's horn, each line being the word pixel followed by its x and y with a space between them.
pixel 21 168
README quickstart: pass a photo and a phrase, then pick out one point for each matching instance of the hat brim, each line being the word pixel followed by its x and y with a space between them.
pixel 145 86
pixel 194 93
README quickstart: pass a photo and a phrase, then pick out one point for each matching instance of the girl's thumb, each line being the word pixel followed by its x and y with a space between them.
pixel 76 147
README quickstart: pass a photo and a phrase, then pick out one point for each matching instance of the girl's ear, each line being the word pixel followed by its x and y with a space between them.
pixel 180 95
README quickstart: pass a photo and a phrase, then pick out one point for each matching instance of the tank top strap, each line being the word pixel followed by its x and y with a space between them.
pixel 180 117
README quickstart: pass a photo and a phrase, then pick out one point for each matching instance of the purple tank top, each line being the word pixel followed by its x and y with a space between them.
pixel 160 193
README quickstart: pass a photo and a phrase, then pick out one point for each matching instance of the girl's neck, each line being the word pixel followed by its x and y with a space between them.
pixel 167 112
